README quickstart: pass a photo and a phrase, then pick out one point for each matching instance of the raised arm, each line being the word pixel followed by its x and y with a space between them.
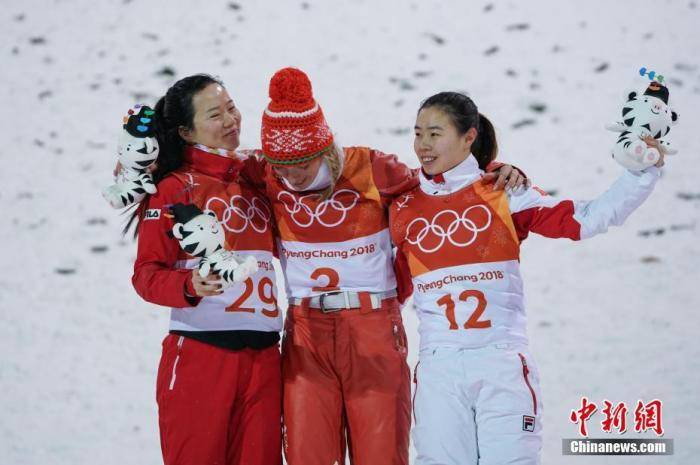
pixel 540 213
pixel 392 177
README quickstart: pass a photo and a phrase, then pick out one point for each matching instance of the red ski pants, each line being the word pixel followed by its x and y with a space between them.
pixel 346 379
pixel 218 406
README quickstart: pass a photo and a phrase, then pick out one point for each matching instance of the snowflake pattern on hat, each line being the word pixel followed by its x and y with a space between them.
pixel 292 141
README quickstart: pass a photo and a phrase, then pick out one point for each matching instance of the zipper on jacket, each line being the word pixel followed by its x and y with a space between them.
pixel 180 341
pixel 526 372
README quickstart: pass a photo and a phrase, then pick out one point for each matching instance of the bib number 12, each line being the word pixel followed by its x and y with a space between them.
pixel 474 321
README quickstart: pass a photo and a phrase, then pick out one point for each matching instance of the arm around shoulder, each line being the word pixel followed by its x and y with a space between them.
pixel 391 176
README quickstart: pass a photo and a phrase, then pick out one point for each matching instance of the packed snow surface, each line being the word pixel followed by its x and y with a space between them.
pixel 615 317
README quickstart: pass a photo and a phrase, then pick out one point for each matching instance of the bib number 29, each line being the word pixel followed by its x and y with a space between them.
pixel 265 294
pixel 474 321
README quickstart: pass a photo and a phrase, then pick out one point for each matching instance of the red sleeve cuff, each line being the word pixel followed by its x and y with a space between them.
pixel 190 293
pixel 494 166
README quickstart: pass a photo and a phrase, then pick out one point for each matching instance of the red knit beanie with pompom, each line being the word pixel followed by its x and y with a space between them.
pixel 293 127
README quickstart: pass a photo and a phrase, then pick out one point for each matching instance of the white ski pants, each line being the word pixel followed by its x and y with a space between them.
pixel 477 406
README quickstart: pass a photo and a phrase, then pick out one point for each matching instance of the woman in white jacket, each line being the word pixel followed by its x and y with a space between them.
pixel 477 394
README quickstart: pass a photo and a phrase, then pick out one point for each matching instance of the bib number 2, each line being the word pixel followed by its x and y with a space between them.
pixel 474 321
pixel 331 277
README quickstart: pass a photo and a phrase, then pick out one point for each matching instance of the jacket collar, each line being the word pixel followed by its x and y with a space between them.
pixel 452 180
pixel 221 164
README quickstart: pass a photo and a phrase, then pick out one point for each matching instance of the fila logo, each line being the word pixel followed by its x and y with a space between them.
pixel 528 423
pixel 152 214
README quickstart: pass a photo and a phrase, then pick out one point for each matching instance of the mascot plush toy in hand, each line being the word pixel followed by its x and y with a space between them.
pixel 201 235
pixel 138 150
pixel 644 115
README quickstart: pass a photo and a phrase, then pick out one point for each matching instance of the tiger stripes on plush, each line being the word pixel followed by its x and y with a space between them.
pixel 643 115
pixel 200 234
pixel 128 192
pixel 229 266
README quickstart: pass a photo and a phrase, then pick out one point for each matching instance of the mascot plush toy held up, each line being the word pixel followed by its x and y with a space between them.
pixel 138 150
pixel 201 235
pixel 644 115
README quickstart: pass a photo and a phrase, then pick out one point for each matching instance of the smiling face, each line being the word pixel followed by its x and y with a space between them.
pixel 300 176
pixel 217 121
pixel 437 143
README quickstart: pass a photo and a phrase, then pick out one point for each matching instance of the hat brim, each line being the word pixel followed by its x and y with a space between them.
pixel 297 161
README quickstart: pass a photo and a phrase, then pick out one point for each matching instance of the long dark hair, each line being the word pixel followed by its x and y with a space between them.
pixel 173 110
pixel 464 114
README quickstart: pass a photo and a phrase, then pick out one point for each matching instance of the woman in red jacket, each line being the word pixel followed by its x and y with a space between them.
pixel 219 380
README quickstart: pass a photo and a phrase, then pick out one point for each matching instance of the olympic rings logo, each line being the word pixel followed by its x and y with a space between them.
pixel 457 223
pixel 254 213
pixel 304 215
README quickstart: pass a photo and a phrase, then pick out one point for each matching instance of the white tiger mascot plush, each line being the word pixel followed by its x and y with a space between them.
pixel 201 235
pixel 643 115
pixel 138 150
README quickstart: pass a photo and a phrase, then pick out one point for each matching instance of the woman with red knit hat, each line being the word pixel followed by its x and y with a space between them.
pixel 344 352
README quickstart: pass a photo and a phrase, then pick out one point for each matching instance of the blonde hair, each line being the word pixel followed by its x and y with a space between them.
pixel 334 159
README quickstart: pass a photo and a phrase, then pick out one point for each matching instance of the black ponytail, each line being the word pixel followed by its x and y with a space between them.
pixel 485 147
pixel 464 115
pixel 173 110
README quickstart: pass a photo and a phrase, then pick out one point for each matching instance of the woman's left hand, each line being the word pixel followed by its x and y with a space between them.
pixel 653 143
pixel 507 177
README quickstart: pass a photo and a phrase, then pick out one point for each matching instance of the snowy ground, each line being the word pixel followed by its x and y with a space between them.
pixel 614 318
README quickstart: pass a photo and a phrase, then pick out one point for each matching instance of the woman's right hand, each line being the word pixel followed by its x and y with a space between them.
pixel 206 287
